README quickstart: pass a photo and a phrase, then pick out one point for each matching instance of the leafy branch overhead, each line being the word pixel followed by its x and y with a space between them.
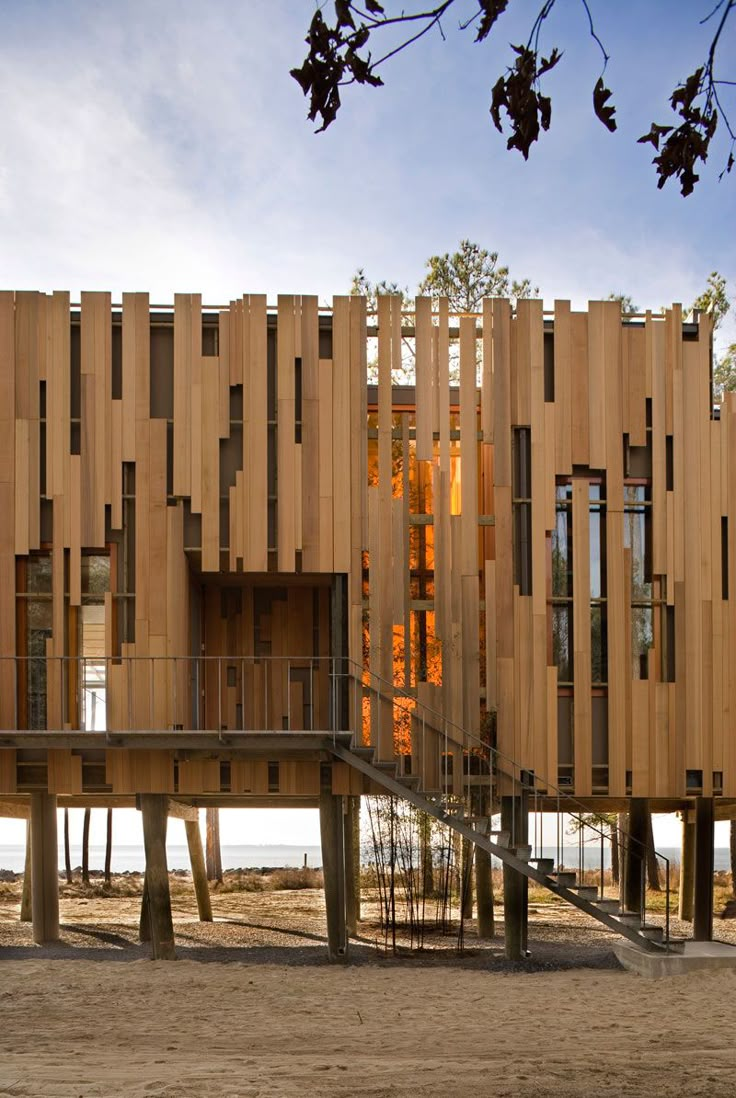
pixel 339 54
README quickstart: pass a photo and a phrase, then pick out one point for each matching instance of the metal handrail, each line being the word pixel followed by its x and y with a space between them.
pixel 337 669
pixel 564 798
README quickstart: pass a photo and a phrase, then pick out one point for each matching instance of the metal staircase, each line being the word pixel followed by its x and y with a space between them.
pixel 496 771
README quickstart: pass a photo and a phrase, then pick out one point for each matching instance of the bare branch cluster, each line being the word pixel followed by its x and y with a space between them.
pixel 339 54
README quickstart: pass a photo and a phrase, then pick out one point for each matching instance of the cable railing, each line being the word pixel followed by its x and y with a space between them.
pixel 327 694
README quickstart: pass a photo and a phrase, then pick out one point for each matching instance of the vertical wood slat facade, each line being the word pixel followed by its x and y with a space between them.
pixel 289 487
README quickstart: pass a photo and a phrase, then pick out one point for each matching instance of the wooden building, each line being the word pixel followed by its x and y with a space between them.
pixel 497 546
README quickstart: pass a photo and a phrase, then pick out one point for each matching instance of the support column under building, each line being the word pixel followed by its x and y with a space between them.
pixel 154 809
pixel 703 886
pixel 199 870
pixel 26 907
pixel 44 868
pixel 514 819
pixel 332 834
pixel 635 845
pixel 484 894
pixel 483 877
pixel 687 869
pixel 351 821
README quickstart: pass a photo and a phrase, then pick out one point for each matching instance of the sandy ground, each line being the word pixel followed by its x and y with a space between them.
pixel 252 1009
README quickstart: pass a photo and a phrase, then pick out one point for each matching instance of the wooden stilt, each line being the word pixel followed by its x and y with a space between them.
pixel 687 870
pixel 351 821
pixel 467 881
pixel 515 892
pixel 44 868
pixel 703 890
pixel 199 872
pixel 484 894
pixel 333 868
pixel 26 912
pixel 144 923
pixel 635 855
pixel 154 810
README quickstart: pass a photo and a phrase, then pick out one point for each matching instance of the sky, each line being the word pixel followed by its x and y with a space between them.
pixel 163 146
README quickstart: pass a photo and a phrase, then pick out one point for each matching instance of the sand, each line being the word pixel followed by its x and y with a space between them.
pixel 252 1009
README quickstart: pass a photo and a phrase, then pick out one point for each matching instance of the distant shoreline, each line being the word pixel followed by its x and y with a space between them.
pixel 130 858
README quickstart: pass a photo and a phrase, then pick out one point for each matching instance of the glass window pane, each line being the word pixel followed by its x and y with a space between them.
pixel 562 642
pixel 596 567
pixel 635 539
pixel 95 575
pixel 38 575
pixel 642 639
pixel 598 644
pixel 562 555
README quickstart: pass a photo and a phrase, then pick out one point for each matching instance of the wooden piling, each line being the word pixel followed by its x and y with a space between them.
pixel 44 869
pixel 154 812
pixel 635 855
pixel 703 887
pixel 26 912
pixel 351 822
pixel 332 834
pixel 687 870
pixel 199 872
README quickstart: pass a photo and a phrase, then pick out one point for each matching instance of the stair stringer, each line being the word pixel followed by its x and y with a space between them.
pixel 392 785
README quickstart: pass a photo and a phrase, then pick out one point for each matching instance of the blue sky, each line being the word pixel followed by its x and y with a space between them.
pixel 164 147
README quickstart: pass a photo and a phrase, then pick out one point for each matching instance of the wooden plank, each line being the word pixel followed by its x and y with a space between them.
pixel 693 549
pixel 521 363
pixel 579 390
pixel 468 449
pixel 635 342
pixel 597 382
pixel 21 487
pixel 655 335
pixel 581 634
pixel 490 635
pixel 197 428
pixel 157 528
pixel 75 552
pixel 223 398
pixel 443 380
pixel 563 388
pixel 8 717
pixel 619 654
pixel 307 500
pixel 285 402
pixel 640 737
pixel 64 771
pixel 116 460
pixel 187 349
pixel 210 464
pixel 255 467
pixel 501 316
pixel 423 360
pixel 487 400
pixel 324 413
pixel 531 318
pixel 341 433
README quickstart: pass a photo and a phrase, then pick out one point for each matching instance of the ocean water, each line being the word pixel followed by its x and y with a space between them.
pixel 126 859
pixel 131 859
